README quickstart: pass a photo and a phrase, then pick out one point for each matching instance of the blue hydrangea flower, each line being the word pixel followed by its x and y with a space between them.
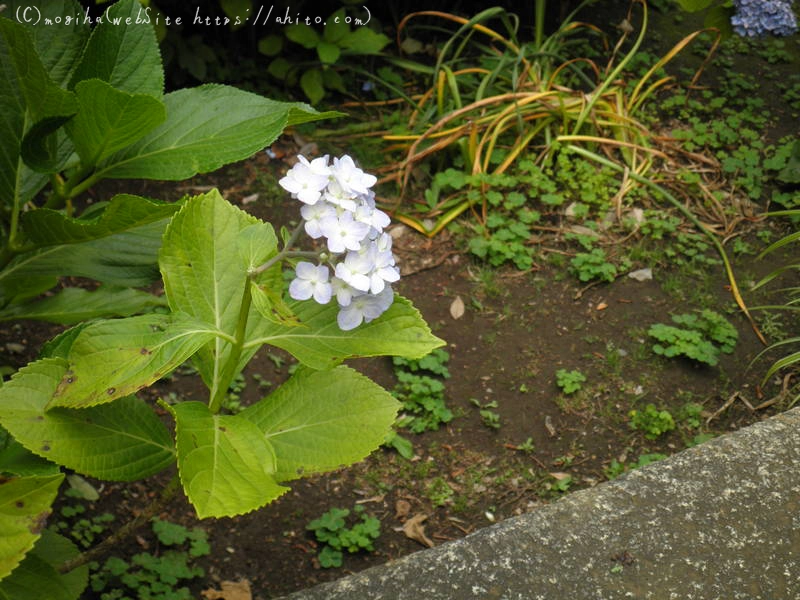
pixel 755 18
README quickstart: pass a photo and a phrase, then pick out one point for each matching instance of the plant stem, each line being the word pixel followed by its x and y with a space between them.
pixel 539 24
pixel 283 253
pixel 229 369
pixel 107 544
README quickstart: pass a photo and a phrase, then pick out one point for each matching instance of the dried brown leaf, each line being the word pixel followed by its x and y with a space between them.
pixel 457 308
pixel 415 530
pixel 231 590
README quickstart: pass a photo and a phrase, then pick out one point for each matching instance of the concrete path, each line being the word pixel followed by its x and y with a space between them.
pixel 718 521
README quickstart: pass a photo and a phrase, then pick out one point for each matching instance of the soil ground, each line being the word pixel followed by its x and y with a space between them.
pixel 517 330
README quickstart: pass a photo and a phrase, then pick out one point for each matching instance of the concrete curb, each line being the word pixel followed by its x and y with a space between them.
pixel 721 520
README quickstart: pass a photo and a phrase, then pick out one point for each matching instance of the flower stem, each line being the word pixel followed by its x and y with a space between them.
pixel 229 369
pixel 114 539
pixel 283 253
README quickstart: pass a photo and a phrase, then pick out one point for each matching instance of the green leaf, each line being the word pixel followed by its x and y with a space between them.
pixel 16 460
pixel 270 45
pixel 320 420
pixel 119 247
pixel 58 347
pixel 206 127
pixel 116 357
pixel 24 506
pixel 205 276
pixel 59 46
pixel 694 5
pixel 302 34
pixel 363 40
pixel 122 441
pixel 272 306
pixel 279 67
pixel 29 97
pixel 37 576
pixel 336 27
pixel 225 463
pixel 719 17
pixel 73 305
pixel 45 227
pixel 311 84
pixel 791 172
pixel 328 53
pixel 236 9
pixel 110 119
pixel 126 56
pixel 320 344
pixel 333 81
pixel 256 244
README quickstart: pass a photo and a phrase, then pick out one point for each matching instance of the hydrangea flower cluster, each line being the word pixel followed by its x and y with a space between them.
pixel 339 206
pixel 760 17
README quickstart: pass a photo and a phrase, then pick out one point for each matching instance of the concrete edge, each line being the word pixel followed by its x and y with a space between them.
pixel 720 520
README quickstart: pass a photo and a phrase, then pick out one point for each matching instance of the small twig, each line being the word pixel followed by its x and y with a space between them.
pixel 728 404
pixel 777 397
pixel 114 539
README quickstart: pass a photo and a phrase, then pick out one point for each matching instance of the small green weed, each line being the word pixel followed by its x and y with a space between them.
pixel 559 483
pixel 489 417
pixel 439 492
pixel 616 468
pixel 652 421
pixel 332 531
pixel 232 402
pixel 154 576
pixel 569 381
pixel 422 395
pixel 592 265
pixel 527 446
pixel 702 337
pixel 690 414
pixel 84 531
pixel 435 363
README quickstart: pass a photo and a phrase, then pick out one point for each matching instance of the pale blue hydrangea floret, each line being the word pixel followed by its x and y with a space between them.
pixel 755 18
pixel 339 206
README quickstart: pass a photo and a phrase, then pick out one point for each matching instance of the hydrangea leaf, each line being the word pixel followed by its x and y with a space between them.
pixel 74 305
pixel 18 461
pixel 225 463
pixel 321 420
pixel 59 47
pixel 204 264
pixel 124 55
pixel 121 441
pixel 109 120
pixel 207 127
pixel 123 212
pixel 24 506
pixel 320 344
pixel 116 357
pixel 38 577
pixel 119 247
pixel 32 104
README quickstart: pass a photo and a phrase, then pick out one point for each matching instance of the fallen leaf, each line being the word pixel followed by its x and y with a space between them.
pixel 401 509
pixel 231 590
pixel 559 476
pixel 457 308
pixel 642 274
pixel 415 530
pixel 601 306
pixel 82 488
pixel 249 199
